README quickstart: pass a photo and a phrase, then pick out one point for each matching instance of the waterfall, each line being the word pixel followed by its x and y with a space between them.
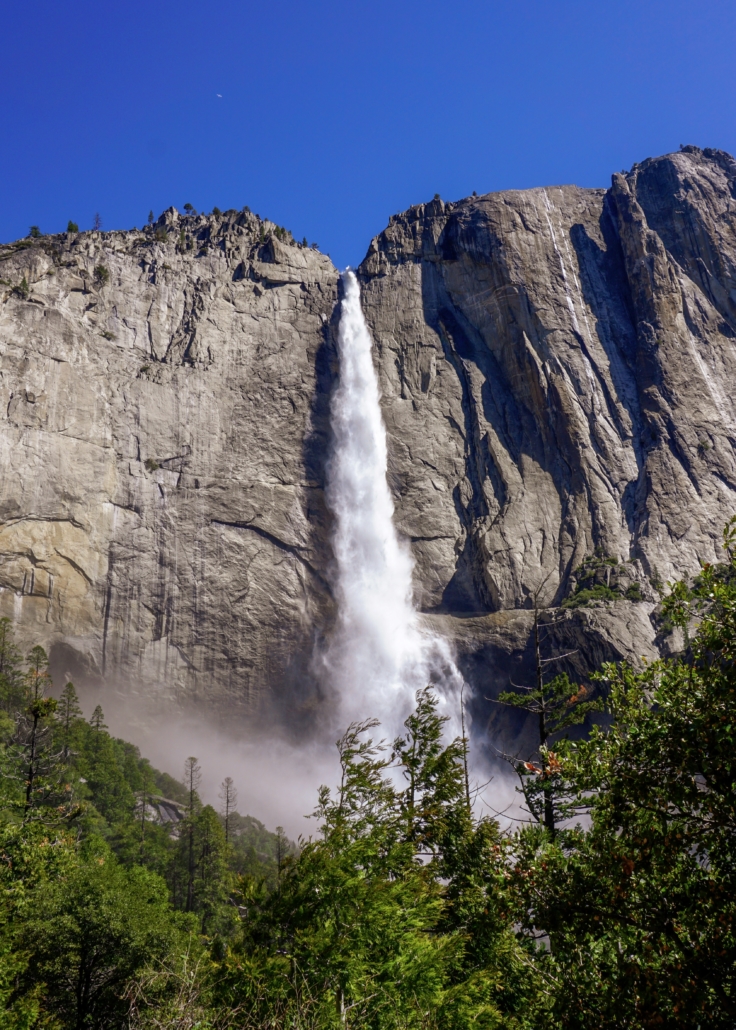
pixel 379 655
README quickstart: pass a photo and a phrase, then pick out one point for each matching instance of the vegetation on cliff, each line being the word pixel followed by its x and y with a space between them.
pixel 404 909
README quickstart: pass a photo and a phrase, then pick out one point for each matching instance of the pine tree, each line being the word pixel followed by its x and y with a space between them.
pixel 192 779
pixel 435 801
pixel 12 687
pixel 211 880
pixel 282 850
pixel 229 797
pixel 33 737
pixel 557 705
pixel 67 714
pixel 38 678
pixel 97 722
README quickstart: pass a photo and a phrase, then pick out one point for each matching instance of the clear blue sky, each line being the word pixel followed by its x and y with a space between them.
pixel 333 116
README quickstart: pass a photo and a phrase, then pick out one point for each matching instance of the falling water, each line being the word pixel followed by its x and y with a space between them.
pixel 380 655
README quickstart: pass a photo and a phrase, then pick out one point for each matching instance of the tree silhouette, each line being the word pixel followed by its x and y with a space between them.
pixel 229 798
pixel 67 713
pixel 192 779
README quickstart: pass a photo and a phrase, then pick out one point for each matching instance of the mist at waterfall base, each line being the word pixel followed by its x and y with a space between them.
pixel 379 654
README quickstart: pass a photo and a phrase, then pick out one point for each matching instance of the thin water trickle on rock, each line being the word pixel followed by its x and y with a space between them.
pixel 380 655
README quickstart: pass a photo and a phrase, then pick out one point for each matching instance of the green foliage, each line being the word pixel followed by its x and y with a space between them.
pixel 405 909
pixel 102 275
pixel 150 217
pixel 200 876
pixel 34 232
pixel 150 463
pixel 22 289
pixel 600 592
pixel 31 862
pixel 640 908
pixel 216 212
pixel 72 226
pixel 90 931
pixel 369 923
pixel 12 685
pixel 603 578
pixel 548 792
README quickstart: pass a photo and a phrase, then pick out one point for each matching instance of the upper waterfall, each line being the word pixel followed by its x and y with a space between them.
pixel 380 655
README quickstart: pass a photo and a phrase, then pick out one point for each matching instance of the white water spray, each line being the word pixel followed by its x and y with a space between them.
pixel 380 655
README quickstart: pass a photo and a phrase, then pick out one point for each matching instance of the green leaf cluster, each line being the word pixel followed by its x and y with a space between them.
pixel 613 907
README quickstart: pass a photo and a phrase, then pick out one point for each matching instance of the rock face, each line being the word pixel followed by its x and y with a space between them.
pixel 157 508
pixel 558 370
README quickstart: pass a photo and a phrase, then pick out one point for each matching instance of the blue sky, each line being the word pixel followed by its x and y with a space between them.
pixel 333 116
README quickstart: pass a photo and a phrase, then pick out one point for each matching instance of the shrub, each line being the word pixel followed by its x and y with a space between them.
pixel 151 465
pixel 107 334
pixel 162 236
pixel 34 232
pixel 72 226
pixel 102 275
pixel 600 592
pixel 22 289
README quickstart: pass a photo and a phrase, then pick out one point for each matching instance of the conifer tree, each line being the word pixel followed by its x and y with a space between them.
pixel 38 678
pixel 68 713
pixel 33 740
pixel 557 705
pixel 282 850
pixel 12 688
pixel 192 779
pixel 97 720
pixel 229 798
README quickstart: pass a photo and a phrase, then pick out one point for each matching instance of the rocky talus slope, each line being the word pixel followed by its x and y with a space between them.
pixel 558 370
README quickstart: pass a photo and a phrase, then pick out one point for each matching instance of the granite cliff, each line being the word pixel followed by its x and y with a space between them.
pixel 558 371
